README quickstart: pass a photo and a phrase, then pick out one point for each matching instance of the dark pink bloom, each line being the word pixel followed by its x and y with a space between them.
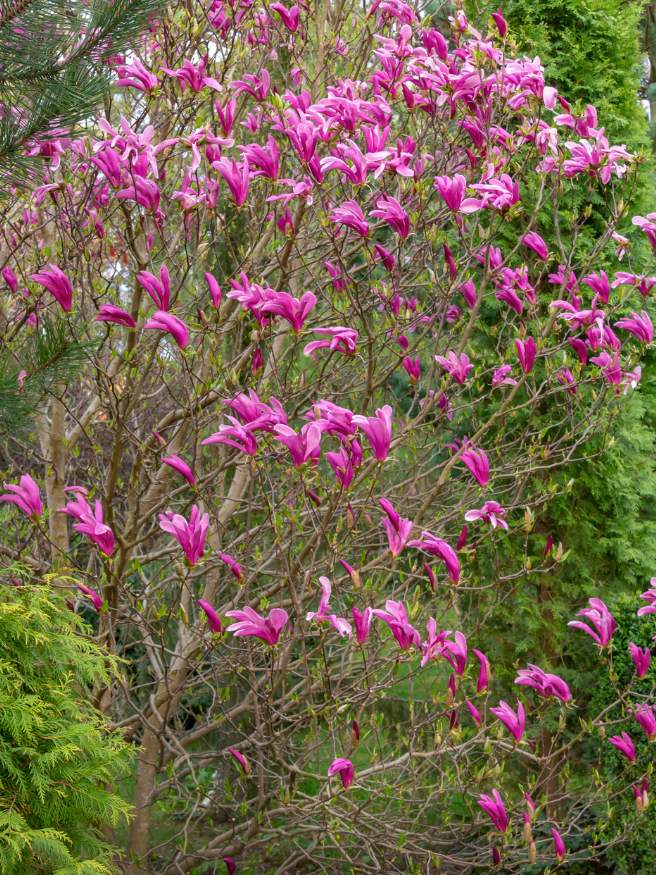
pixel 429 543
pixel 650 597
pixel 189 75
pixel 501 24
pixel 477 462
pixel 641 659
pixel 648 226
pixel 167 322
pixel 453 192
pixel 159 288
pixel 232 564
pixel 250 623
pixel 494 808
pixel 381 253
pixel 303 446
pixel 458 366
pixel 96 599
pixel 391 211
pixel 181 467
pixel 412 367
pixel 498 193
pixel 350 215
pixel 237 176
pixel 398 529
pixel 543 683
pixel 57 283
pixel 241 759
pixel 144 192
pixel 526 350
pixel 263 160
pixel 90 523
pixel 345 769
pixel 639 324
pixel 646 717
pixel 468 291
pixel 362 622
pixel 514 722
pixel 491 512
pixel 190 535
pixel 536 243
pixel 10 278
pixel 599 284
pixel 500 376
pixel 135 75
pixel 25 495
pixel 559 845
pixel 341 340
pixel 112 313
pixel 475 713
pixel 289 17
pixel 341 625
pixel 483 672
pixel 215 289
pixel 213 619
pixel 231 866
pixel 292 309
pixel 257 414
pixel 378 430
pixel 624 744
pixel 601 619
pixel 396 617
pixel 239 436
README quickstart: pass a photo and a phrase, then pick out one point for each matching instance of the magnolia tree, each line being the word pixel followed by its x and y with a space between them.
pixel 341 323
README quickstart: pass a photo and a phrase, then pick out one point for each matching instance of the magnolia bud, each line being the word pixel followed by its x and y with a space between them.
pixel 532 852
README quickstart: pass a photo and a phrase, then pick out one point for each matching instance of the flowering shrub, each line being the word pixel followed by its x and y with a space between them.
pixel 332 360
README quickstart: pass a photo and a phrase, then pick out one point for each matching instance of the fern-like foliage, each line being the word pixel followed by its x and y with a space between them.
pixel 48 357
pixel 53 68
pixel 57 759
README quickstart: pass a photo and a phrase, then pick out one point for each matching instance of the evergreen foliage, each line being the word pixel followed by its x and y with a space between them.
pixel 57 761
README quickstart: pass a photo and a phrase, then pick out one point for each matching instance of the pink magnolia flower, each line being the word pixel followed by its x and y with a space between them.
pixel 533 241
pixel 641 795
pixel 292 309
pixel 341 340
pixel 601 618
pixel 458 366
pixel 237 176
pixel 10 278
pixel 501 23
pixel 350 215
pixel 495 809
pixel 477 462
pixel 159 288
pixel 475 713
pixel 453 193
pixel 289 17
pixel 170 324
pixel 96 599
pixel 135 75
pixel 499 193
pixel 90 523
pixel 239 436
pixel 241 759
pixel 362 622
pixel 491 512
pixel 190 535
pixel 213 619
pixel 57 283
pixel 455 652
pixel 263 160
pixel 215 289
pixel 25 495
pixel 345 769
pixel 342 626
pixel 646 717
pixel 483 672
pixel 543 683
pixel 112 313
pixel 412 367
pixel 190 75
pixel 250 623
pixel 514 722
pixel 259 415
pixel 639 324
pixel 429 543
pixel 232 564
pixel 500 376
pixel 559 845
pixel 398 529
pixel 644 283
pixel 526 350
pixel 304 445
pixel 144 192
pixel 648 226
pixel 181 467
pixel 599 284
pixel 624 744
pixel 650 597
pixel 382 254
pixel 641 659
pixel 390 210
pixel 378 430
pixel 396 617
